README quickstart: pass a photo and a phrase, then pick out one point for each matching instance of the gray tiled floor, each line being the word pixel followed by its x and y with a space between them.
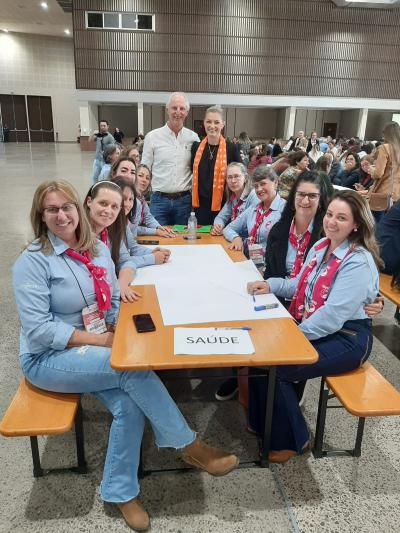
pixel 329 495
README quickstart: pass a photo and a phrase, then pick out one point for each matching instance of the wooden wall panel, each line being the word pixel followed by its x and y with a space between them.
pixel 279 47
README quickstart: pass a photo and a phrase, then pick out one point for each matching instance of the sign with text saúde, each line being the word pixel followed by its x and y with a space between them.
pixel 212 341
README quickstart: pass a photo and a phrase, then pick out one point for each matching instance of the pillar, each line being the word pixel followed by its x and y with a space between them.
pixel 362 123
pixel 290 118
pixel 140 118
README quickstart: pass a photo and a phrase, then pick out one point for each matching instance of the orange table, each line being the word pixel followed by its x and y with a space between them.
pixel 276 342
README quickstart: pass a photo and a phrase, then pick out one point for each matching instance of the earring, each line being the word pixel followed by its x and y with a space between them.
pixel 355 229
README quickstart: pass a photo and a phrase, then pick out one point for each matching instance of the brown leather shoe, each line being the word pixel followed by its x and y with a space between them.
pixel 282 456
pixel 214 461
pixel 134 515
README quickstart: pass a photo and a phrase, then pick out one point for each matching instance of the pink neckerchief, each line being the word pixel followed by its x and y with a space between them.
pixel 321 286
pixel 98 273
pixel 260 215
pixel 300 245
pixel 104 237
pixel 142 202
pixel 235 207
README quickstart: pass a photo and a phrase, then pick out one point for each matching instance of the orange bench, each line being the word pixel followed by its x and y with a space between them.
pixel 363 392
pixel 385 288
pixel 34 412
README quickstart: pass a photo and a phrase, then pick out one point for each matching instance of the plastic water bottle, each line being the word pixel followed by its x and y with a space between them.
pixel 192 227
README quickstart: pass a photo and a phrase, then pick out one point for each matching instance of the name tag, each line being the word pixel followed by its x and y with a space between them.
pixel 93 319
pixel 256 254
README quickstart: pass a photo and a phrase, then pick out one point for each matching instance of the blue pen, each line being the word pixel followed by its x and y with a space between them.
pixel 264 307
pixel 244 328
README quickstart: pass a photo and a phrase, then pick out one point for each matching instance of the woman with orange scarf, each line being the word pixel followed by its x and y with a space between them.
pixel 210 158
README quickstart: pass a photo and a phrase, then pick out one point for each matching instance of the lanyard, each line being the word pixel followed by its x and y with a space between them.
pixel 98 274
pixel 235 208
pixel 76 279
pixel 299 244
pixel 260 215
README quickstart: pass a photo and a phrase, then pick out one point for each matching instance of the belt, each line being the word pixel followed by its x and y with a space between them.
pixel 172 195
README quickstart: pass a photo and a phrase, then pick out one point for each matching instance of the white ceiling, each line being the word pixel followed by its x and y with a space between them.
pixel 27 16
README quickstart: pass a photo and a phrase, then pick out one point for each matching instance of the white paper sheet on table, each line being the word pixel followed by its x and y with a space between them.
pixel 212 341
pixel 202 284
pixel 186 261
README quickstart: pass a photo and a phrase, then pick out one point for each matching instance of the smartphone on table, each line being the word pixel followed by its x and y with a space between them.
pixel 143 323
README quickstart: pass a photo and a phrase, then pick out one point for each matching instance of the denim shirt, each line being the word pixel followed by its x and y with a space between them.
pixel 242 226
pixel 125 260
pixel 150 224
pixel 48 297
pixel 224 216
pixel 105 171
pixel 140 255
pixel 355 283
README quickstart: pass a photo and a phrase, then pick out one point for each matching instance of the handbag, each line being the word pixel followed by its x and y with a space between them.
pixel 379 201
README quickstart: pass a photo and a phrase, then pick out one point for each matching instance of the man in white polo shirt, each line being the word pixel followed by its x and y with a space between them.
pixel 166 151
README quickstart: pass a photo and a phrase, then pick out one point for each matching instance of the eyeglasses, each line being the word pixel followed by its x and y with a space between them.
pixel 53 210
pixel 312 196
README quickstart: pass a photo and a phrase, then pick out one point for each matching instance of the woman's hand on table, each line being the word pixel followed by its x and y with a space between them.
pixel 163 231
pixel 258 287
pixel 128 294
pixel 236 244
pixel 375 308
pixel 216 230
pixel 161 255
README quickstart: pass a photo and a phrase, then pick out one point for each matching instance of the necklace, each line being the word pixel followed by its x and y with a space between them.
pixel 211 156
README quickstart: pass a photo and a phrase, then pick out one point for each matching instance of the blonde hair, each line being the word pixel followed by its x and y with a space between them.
pixel 391 134
pixel 86 239
pixel 363 218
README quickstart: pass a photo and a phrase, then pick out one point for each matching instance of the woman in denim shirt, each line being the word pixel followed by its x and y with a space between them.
pixel 63 348
pixel 253 225
pixel 338 278
pixel 240 196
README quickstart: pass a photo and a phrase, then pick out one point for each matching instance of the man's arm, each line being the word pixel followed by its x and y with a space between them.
pixel 148 152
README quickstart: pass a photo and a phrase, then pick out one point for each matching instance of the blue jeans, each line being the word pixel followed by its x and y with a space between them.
pixel 129 396
pixel 378 215
pixel 340 352
pixel 169 212
pixel 97 166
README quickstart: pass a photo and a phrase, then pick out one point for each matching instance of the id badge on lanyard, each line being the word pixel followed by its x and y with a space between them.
pixel 93 319
pixel 256 254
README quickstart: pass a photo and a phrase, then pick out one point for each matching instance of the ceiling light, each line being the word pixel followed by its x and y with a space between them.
pixel 67 32
pixel 44 5
pixel 5 30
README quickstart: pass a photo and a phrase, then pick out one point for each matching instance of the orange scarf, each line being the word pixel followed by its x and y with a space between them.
pixel 219 175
